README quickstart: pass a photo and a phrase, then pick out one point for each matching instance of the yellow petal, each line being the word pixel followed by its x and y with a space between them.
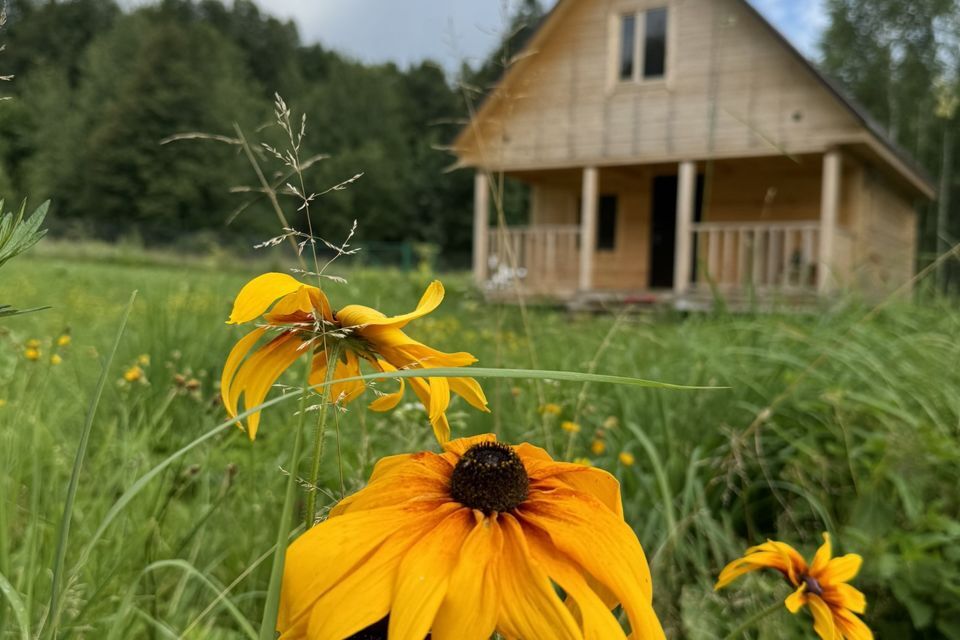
pixel 328 552
pixel 459 446
pixel 852 627
pixel 342 392
pixel 470 608
pixel 596 620
pixel 339 612
pixel 388 401
pixel 842 569
pixel 470 390
pixel 529 606
pixel 848 597
pixel 797 599
pixel 260 371
pixel 237 354
pixel 822 557
pixel 422 480
pixel 584 529
pixel 355 315
pixel 822 618
pixel 425 391
pixel 257 295
pixel 424 575
pixel 596 482
pixel 294 307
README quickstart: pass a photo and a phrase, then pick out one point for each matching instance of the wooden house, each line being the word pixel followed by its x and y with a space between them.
pixel 677 150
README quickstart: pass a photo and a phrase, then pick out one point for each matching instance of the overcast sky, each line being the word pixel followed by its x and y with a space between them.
pixel 448 31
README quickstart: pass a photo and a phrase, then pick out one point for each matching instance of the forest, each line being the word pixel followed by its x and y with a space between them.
pixel 96 89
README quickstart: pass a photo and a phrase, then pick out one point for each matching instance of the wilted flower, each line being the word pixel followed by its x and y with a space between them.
pixel 306 324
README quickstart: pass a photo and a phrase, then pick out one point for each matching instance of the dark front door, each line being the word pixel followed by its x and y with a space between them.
pixel 663 228
pixel 663 231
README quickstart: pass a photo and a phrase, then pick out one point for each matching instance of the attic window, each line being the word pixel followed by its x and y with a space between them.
pixel 628 31
pixel 642 43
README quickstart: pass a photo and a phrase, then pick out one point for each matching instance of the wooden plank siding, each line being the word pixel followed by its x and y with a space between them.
pixel 731 90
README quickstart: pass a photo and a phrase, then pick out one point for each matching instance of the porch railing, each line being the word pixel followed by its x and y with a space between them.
pixel 757 256
pixel 540 258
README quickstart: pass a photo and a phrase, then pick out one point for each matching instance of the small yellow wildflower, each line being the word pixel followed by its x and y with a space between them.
pixel 133 374
pixel 63 340
pixel 33 343
pixel 583 461
pixel 612 422
pixel 55 359
pixel 31 353
pixel 598 447
pixel 143 360
pixel 626 458
pixel 551 409
pixel 570 427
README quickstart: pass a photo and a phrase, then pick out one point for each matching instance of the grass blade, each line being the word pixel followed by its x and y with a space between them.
pixel 63 534
pixel 16 603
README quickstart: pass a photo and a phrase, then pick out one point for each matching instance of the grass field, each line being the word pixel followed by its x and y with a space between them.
pixel 843 421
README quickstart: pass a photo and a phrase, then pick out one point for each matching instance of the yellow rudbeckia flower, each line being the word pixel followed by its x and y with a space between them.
pixel 303 321
pixel 821 586
pixel 468 542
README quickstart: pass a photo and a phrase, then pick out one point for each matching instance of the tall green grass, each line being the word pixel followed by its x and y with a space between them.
pixel 865 444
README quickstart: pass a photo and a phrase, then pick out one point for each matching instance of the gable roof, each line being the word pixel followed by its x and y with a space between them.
pixel 883 147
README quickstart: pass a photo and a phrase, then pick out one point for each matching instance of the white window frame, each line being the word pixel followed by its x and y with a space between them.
pixel 639 41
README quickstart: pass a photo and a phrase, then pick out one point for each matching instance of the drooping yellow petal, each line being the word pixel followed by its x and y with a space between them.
pixel 529 606
pixel 797 599
pixel 822 618
pixel 848 597
pixel 470 390
pixel 341 392
pixel 424 576
pixel 237 354
pixel 596 620
pixel 258 373
pixel 425 391
pixel 852 627
pixel 358 315
pixel 295 307
pixel 257 295
pixel 581 527
pixel 471 606
pixel 822 557
pixel 388 401
pixel 842 569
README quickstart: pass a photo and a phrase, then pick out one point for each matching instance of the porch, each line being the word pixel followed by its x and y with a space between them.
pixel 747 230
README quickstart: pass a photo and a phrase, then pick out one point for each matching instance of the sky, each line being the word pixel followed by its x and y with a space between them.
pixel 450 31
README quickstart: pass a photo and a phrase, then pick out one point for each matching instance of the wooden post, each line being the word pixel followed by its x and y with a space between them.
pixel 683 256
pixel 829 211
pixel 481 226
pixel 588 226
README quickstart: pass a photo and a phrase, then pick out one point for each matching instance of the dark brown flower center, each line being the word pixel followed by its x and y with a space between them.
pixel 490 477
pixel 813 586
